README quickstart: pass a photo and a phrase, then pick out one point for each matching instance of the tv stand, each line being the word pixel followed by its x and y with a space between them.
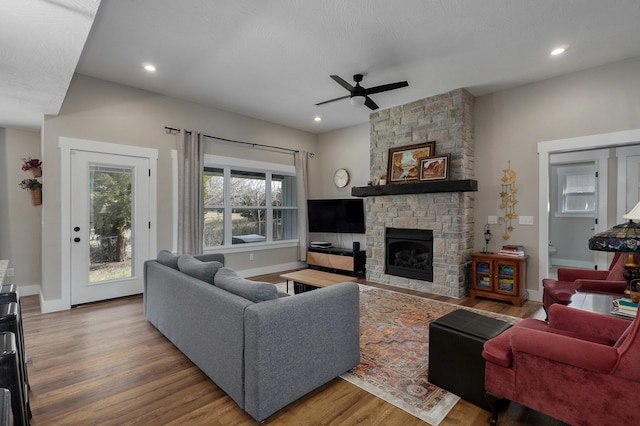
pixel 337 260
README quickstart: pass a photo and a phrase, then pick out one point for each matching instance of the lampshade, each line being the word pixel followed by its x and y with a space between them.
pixel 621 238
pixel 634 214
pixel 358 100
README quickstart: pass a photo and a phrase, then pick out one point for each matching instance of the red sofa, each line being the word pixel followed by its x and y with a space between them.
pixel 581 367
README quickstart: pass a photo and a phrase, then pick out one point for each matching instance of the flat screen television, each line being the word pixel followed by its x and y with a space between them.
pixel 344 216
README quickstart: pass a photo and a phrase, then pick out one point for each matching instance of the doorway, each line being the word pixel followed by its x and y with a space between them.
pixel 577 204
pixel 109 222
pixel 110 208
pixel 571 145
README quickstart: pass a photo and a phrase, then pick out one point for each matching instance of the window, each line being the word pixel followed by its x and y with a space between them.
pixel 577 190
pixel 245 205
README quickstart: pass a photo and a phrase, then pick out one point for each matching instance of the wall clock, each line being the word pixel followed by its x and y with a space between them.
pixel 341 178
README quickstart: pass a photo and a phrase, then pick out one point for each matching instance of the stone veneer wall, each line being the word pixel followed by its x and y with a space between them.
pixel 446 119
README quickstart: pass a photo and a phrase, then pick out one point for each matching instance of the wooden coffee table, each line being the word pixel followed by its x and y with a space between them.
pixel 315 278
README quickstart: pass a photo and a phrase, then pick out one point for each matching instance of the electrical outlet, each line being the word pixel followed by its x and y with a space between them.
pixel 10 272
pixel 251 256
pixel 492 220
pixel 525 220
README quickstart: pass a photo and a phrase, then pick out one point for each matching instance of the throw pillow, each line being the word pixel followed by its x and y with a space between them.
pixel 227 279
pixel 204 271
pixel 166 258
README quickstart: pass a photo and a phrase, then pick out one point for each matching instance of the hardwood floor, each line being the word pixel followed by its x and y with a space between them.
pixel 103 364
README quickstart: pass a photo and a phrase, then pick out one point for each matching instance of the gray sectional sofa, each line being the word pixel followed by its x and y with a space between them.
pixel 263 348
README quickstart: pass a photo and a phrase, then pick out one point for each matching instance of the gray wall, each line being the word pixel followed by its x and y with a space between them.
pixel 508 126
pixel 20 230
pixel 107 112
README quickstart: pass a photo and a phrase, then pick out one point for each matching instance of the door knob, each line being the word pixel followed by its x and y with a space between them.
pixel 76 239
pixel 77 229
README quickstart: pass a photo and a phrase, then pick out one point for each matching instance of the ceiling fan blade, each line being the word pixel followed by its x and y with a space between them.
pixel 386 87
pixel 333 100
pixel 368 102
pixel 342 83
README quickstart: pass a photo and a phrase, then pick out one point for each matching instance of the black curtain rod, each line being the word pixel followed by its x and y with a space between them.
pixel 171 129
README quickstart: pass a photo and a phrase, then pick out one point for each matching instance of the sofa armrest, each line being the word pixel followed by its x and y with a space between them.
pixel 586 323
pixel 602 286
pixel 572 274
pixel 295 344
pixel 554 347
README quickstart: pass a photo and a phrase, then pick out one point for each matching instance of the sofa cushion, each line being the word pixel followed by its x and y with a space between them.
pixel 166 258
pixel 204 271
pixel 227 279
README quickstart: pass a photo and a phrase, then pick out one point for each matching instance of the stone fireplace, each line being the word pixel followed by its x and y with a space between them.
pixel 446 119
pixel 409 253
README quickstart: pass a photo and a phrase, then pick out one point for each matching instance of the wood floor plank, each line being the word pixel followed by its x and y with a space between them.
pixel 103 363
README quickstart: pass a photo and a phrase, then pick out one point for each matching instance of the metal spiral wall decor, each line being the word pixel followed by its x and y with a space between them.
pixel 508 199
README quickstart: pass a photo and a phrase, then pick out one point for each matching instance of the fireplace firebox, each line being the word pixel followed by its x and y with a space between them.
pixel 409 253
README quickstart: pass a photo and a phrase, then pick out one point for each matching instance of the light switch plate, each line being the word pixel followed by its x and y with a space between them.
pixel 525 220
pixel 492 220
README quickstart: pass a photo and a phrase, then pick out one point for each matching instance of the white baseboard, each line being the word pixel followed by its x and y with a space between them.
pixel 571 263
pixel 270 269
pixel 26 290
pixel 55 305
pixel 535 295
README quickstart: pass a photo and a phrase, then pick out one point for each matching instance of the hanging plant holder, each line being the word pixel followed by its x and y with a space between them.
pixel 37 172
pixel 36 196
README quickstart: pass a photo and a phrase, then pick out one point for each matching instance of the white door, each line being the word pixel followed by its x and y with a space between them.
pixel 628 179
pixel 110 225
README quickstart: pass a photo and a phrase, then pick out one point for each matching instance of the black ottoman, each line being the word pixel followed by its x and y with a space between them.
pixel 455 353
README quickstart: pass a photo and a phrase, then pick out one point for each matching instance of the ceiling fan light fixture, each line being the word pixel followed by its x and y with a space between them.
pixel 358 100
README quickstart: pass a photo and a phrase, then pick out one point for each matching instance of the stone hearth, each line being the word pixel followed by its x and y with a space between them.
pixel 446 119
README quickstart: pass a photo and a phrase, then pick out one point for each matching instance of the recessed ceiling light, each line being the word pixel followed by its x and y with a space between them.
pixel 149 67
pixel 317 118
pixel 558 51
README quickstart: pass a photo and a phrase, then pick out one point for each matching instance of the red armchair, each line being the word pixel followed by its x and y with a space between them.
pixel 581 367
pixel 589 280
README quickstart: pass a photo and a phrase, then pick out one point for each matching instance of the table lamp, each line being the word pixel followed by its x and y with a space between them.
pixel 487 238
pixel 623 238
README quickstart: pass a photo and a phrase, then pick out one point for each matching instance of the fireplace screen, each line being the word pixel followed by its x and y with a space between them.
pixel 409 253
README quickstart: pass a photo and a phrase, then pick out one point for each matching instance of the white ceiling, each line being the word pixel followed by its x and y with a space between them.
pixel 272 59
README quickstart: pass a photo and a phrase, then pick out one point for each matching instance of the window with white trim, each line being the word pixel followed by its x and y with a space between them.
pixel 249 205
pixel 577 190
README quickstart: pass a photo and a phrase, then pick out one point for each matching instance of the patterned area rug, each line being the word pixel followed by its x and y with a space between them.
pixel 394 351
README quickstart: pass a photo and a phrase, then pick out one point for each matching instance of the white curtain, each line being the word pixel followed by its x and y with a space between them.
pixel 190 203
pixel 301 159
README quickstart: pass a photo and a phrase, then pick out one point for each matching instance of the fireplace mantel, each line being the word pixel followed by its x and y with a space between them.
pixel 466 185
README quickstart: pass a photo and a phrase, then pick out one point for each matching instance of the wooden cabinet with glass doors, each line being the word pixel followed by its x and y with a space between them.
pixel 499 277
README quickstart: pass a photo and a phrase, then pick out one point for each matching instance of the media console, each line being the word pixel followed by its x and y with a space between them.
pixel 337 260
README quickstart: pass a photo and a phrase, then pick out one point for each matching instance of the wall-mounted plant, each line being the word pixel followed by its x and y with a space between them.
pixel 35 189
pixel 33 164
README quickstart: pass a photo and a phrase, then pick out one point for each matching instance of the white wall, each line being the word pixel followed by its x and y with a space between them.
pixel 346 148
pixel 107 112
pixel 20 230
pixel 509 125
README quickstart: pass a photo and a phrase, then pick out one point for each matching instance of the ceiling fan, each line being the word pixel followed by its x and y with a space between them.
pixel 359 95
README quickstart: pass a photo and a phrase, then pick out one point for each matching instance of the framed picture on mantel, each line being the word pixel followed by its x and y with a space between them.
pixel 435 168
pixel 404 162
